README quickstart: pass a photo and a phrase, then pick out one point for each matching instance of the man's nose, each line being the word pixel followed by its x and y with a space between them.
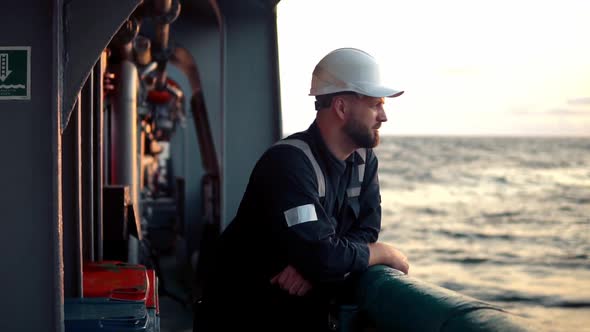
pixel 382 116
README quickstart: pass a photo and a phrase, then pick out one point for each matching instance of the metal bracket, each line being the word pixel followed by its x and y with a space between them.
pixel 88 28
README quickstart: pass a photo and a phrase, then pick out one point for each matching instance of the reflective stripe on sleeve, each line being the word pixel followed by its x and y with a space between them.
pixel 300 214
pixel 303 146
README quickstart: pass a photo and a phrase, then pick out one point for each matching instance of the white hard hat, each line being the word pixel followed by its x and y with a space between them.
pixel 349 69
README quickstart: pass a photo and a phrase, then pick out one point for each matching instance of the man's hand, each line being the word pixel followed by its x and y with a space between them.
pixel 386 254
pixel 291 281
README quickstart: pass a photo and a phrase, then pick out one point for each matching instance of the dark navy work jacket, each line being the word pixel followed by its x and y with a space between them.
pixel 284 219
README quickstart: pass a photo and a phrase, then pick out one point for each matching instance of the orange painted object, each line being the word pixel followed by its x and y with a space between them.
pixel 116 280
pixel 153 301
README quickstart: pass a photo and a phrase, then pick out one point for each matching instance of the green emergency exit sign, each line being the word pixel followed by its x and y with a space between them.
pixel 15 72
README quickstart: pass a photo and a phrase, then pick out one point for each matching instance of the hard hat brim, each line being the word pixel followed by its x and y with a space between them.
pixel 378 91
pixel 371 90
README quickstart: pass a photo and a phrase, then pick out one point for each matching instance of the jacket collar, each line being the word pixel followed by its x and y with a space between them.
pixel 332 163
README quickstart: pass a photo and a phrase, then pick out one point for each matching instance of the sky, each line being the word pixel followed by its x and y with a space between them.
pixel 468 67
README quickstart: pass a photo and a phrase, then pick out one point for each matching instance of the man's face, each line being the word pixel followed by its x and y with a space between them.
pixel 365 117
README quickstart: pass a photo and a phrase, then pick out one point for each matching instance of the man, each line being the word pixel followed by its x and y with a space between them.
pixel 311 215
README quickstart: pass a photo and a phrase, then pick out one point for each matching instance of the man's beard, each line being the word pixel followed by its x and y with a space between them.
pixel 362 136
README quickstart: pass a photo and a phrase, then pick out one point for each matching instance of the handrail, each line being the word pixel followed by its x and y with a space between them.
pixel 397 302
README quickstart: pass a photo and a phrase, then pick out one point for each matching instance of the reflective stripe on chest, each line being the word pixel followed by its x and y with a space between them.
pixel 354 189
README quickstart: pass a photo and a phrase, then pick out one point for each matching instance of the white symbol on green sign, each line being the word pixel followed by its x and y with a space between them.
pixel 15 72
pixel 4 71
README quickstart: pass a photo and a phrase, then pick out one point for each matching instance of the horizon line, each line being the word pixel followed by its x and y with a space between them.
pixel 581 136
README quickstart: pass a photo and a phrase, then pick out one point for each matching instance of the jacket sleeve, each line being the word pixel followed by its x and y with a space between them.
pixel 305 231
pixel 366 229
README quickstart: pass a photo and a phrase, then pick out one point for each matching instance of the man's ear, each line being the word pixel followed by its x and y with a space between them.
pixel 339 107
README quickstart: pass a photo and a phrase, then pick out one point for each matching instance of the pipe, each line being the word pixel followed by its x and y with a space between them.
pixel 124 135
pixel 99 69
pixel 78 240
pixel 124 159
pixel 165 12
pixel 394 301
pixel 87 157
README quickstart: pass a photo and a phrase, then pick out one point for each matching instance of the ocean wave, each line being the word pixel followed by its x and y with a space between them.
pixel 450 251
pixel 545 164
pixel 503 214
pixel 475 235
pixel 500 179
pixel 543 300
pixel 408 174
pixel 572 192
pixel 467 259
pixel 431 211
pixel 579 256
pixel 470 260
pixel 527 261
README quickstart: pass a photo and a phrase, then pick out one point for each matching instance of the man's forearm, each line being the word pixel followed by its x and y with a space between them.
pixel 386 254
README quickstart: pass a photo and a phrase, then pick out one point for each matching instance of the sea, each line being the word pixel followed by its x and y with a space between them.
pixel 503 220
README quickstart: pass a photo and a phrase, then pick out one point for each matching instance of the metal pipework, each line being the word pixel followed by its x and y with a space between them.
pixel 165 12
pixel 122 42
pixel 124 159
pixel 161 8
pixel 145 71
pixel 142 48
pixel 124 144
pixel 124 130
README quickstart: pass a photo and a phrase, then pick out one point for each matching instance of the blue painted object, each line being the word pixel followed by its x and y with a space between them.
pixel 154 321
pixel 105 315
